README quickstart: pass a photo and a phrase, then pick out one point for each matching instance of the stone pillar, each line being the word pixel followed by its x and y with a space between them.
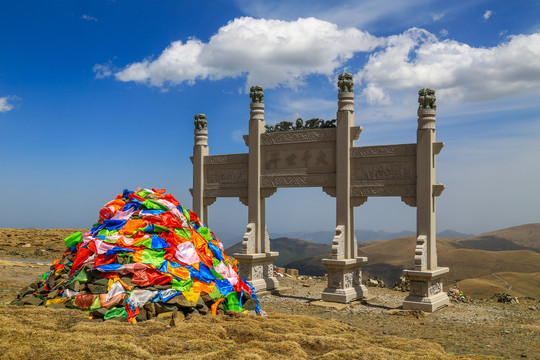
pixel 426 278
pixel 344 269
pixel 256 260
pixel 200 150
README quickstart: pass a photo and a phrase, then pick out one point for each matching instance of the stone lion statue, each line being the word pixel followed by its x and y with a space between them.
pixel 256 94
pixel 200 121
pixel 426 99
pixel 345 82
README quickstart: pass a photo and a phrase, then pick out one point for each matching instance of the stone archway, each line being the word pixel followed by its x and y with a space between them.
pixel 321 154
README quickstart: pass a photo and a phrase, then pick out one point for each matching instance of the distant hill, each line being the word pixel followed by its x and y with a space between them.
pixel 523 237
pixel 513 283
pixel 469 266
pixel 361 235
pixel 290 250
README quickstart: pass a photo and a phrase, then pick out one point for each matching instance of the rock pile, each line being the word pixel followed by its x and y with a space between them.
pixel 375 283
pixel 403 284
pixel 505 298
pixel 457 295
pixel 147 257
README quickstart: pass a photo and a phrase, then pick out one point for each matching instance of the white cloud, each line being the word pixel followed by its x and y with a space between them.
pixel 443 33
pixel 269 52
pixel 4 105
pixel 416 59
pixel 487 14
pixel 437 17
pixel 88 17
pixel 102 71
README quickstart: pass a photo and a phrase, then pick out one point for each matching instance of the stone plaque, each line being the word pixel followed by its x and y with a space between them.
pixel 388 170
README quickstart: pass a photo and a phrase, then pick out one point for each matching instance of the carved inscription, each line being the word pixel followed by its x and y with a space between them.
pixel 384 150
pixel 226 176
pixel 282 161
pixel 395 190
pixel 298 136
pixel 385 171
pixel 297 181
pixel 226 159
pixel 227 192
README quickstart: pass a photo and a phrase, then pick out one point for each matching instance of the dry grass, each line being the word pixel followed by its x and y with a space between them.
pixel 41 333
pixel 517 284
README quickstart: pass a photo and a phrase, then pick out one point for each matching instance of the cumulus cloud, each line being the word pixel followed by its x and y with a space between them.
pixel 269 52
pixel 417 58
pixel 5 106
pixel 487 14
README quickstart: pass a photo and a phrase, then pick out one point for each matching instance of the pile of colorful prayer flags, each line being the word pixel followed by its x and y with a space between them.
pixel 146 255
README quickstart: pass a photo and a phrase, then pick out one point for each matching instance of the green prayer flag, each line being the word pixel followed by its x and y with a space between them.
pixel 205 233
pixel 95 305
pixel 44 276
pixel 73 239
pixel 154 205
pixel 183 233
pixel 115 312
pixel 158 228
pixel 153 257
pixel 231 302
pixel 215 295
pixel 216 274
pixel 81 277
pixel 182 285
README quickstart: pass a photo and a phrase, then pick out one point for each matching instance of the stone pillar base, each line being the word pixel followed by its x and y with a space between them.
pixel 344 280
pixel 426 290
pixel 258 269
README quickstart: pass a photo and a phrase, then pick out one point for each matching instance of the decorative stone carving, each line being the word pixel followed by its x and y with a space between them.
pixel 256 94
pixel 257 272
pixel 248 244
pixel 384 150
pixel 348 279
pixel 267 192
pixel 420 253
pixel 200 121
pixel 226 159
pixel 409 200
pixel 338 243
pixel 435 287
pixel 335 279
pixel 244 200
pixel 383 190
pixel 426 99
pixel 226 176
pixel 315 135
pixel 314 123
pixel 330 190
pixel 358 200
pixel 266 242
pixel 386 171
pixel 345 82
pixel 277 181
pixel 209 201
pixel 226 192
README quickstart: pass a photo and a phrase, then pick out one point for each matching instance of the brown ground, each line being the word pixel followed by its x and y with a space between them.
pixel 295 328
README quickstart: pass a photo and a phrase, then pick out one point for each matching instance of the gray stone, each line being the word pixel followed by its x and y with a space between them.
pixel 250 304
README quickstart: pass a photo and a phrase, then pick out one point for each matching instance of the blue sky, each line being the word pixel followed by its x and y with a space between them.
pixel 98 96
